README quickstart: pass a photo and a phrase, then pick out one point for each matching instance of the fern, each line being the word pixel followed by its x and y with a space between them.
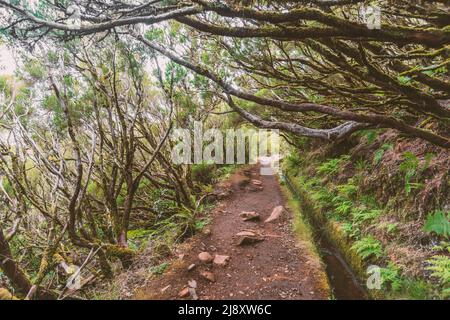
pixel 349 189
pixel 438 223
pixel 368 248
pixel 342 205
pixel 391 278
pixel 361 165
pixel 371 135
pixel 350 230
pixel 442 246
pixel 361 214
pixel 409 168
pixel 378 155
pixel 440 267
pixel 293 161
pixel 332 166
pixel 391 227
pixel 428 157
pixel 311 182
pixel 322 195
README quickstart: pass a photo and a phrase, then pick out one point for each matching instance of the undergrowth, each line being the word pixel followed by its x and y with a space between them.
pixel 363 219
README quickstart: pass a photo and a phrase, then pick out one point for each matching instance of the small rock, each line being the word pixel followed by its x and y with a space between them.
pixel 254 188
pixel 249 215
pixel 248 237
pixel 221 260
pixel 165 288
pixel 256 182
pixel 192 284
pixel 223 195
pixel 184 293
pixel 193 293
pixel 208 276
pixel 205 257
pixel 192 266
pixel 276 212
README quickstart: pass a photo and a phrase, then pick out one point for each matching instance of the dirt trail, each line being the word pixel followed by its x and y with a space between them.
pixel 279 267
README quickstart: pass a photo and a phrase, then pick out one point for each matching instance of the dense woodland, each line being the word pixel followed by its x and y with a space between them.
pixel 85 125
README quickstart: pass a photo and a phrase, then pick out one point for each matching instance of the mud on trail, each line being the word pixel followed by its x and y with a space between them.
pixel 278 267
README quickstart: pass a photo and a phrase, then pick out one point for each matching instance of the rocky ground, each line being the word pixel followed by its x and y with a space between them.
pixel 249 251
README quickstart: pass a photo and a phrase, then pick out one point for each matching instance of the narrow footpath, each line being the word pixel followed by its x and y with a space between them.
pixel 248 251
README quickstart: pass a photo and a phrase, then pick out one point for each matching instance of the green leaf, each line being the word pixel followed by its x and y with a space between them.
pixel 438 223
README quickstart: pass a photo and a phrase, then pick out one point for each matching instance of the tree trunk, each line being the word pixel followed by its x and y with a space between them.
pixel 17 277
pixel 12 270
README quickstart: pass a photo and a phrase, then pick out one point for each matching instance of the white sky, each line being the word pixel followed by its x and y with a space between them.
pixel 7 63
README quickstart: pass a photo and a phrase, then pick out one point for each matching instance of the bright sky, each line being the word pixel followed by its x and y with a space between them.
pixel 7 63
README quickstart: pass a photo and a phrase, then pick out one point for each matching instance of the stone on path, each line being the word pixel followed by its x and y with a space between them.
pixel 276 212
pixel 256 182
pixel 192 266
pixel 165 288
pixel 221 260
pixel 192 284
pixel 249 215
pixel 184 292
pixel 205 257
pixel 248 237
pixel 208 276
pixel 193 293
pixel 254 188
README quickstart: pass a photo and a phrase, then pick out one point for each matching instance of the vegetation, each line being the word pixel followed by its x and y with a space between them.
pixel 87 121
pixel 371 226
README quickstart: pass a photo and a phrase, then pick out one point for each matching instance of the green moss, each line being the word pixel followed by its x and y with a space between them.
pixel 138 233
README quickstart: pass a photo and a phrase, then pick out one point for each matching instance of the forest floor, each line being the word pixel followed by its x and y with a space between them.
pixel 281 265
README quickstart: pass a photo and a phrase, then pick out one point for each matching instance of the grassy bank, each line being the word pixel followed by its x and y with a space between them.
pixel 367 205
